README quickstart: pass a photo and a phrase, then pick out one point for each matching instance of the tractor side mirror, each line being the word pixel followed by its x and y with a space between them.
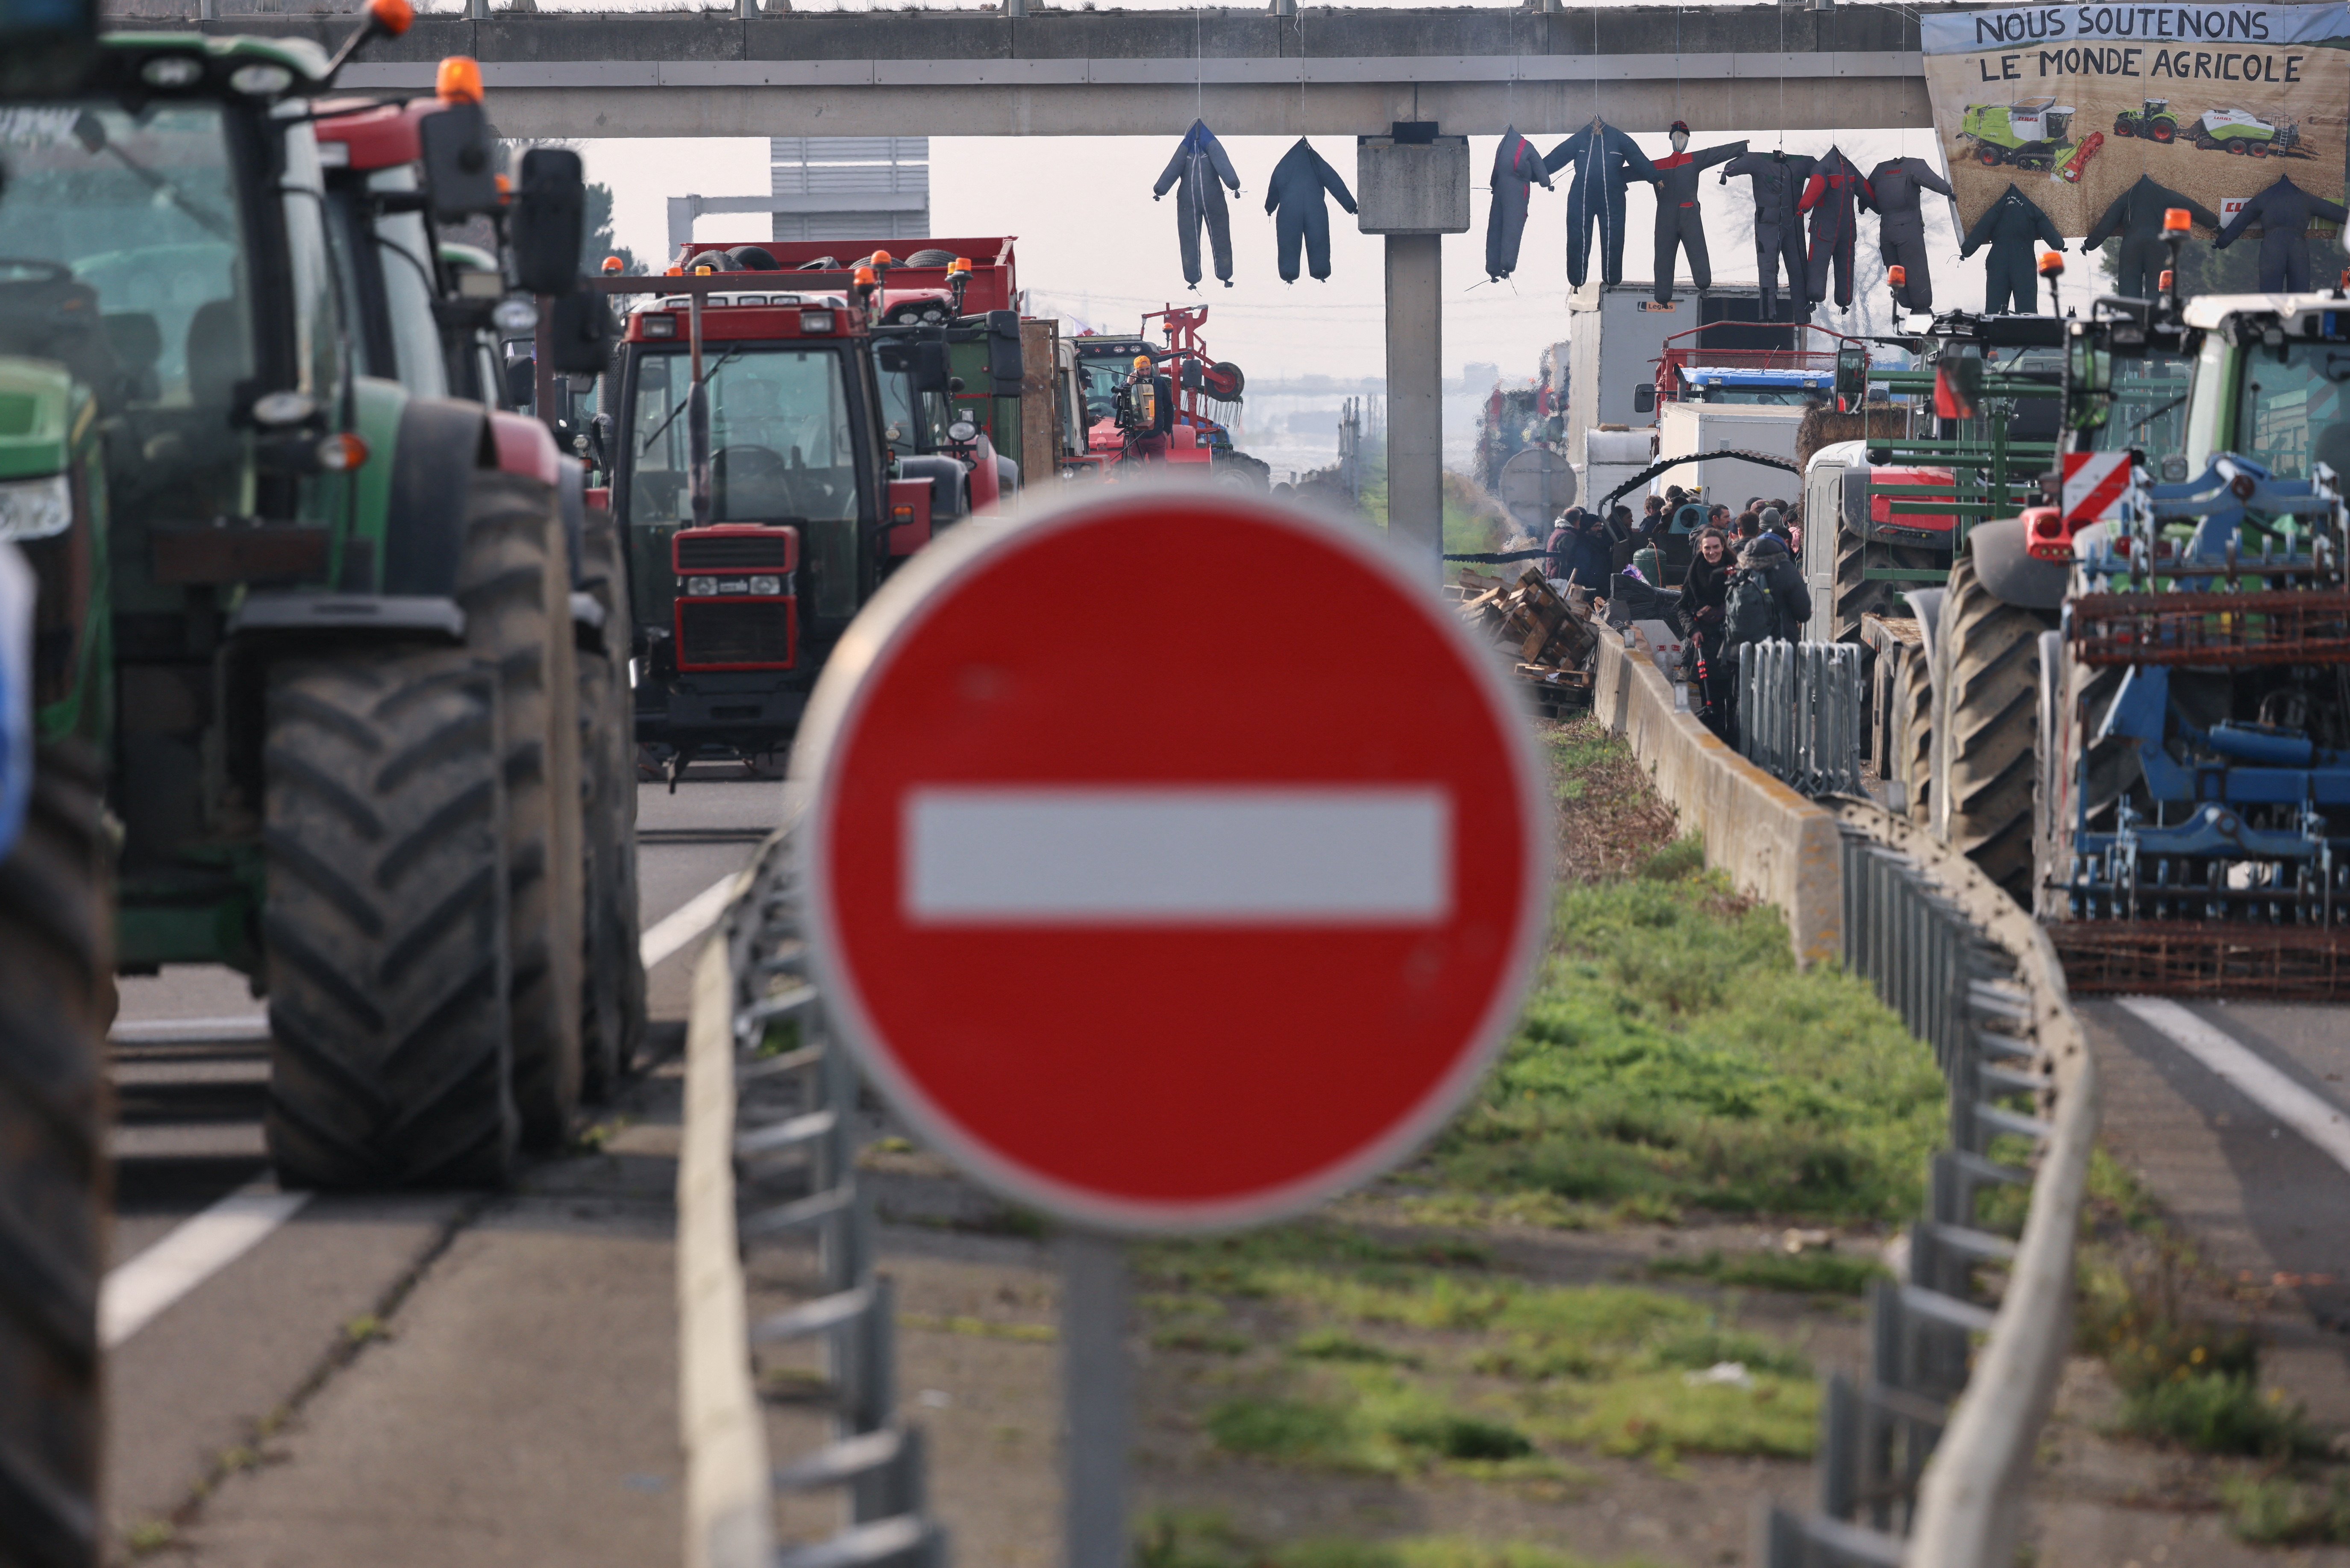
pixel 1851 375
pixel 1004 362
pixel 931 373
pixel 581 333
pixel 460 177
pixel 1644 398
pixel 546 230
pixel 522 382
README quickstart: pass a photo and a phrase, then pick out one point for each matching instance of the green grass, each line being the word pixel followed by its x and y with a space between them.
pixel 2220 1413
pixel 1672 1056
pixel 2282 1511
pixel 1182 1538
pixel 1334 1344
pixel 1810 1274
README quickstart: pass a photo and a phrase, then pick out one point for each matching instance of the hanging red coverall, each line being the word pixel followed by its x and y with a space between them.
pixel 1833 196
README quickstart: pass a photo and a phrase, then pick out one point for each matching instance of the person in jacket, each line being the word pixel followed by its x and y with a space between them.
pixel 2136 216
pixel 1589 564
pixel 1703 589
pixel 1778 186
pixel 1766 557
pixel 1517 169
pixel 1605 160
pixel 1833 197
pixel 2012 272
pixel 1198 174
pixel 1680 226
pixel 1300 217
pixel 1898 187
pixel 1558 550
pixel 2283 211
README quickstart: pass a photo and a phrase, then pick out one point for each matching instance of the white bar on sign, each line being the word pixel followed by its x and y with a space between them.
pixel 1205 854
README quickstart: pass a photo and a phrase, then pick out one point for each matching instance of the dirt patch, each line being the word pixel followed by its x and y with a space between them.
pixel 1610 819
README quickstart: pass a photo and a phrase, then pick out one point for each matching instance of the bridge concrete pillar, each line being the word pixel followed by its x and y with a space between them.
pixel 1412 187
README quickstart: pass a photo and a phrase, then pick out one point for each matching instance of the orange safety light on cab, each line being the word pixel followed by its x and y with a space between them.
pixel 613 263
pixel 2051 263
pixel 392 17
pixel 881 259
pixel 961 264
pixel 1897 276
pixel 2164 283
pixel 863 276
pixel 2177 220
pixel 458 80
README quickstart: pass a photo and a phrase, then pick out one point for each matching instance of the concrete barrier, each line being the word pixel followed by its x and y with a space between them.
pixel 1772 842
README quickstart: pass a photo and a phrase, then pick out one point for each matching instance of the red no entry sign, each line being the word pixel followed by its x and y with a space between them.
pixel 1174 860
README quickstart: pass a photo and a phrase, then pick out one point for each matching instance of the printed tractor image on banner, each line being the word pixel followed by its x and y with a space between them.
pixel 2071 104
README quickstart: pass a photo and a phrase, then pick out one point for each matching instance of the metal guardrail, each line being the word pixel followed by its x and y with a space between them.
pixel 1923 1458
pixel 1802 710
pixel 768 1155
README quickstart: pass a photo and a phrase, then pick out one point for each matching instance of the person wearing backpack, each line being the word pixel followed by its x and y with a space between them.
pixel 1767 601
pixel 1705 591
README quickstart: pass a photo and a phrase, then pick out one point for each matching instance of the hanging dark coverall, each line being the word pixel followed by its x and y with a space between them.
pixel 2136 216
pixel 1199 172
pixel 1517 168
pixel 2011 273
pixel 1897 184
pixel 2283 210
pixel 1293 196
pixel 1833 197
pixel 1778 225
pixel 1680 225
pixel 1606 160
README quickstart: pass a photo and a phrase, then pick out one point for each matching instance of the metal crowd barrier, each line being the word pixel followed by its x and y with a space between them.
pixel 1802 709
pixel 1924 1458
pixel 768 1156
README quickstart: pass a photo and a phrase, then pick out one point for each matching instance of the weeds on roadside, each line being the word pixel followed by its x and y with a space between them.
pixel 2282 1511
pixel 1812 1273
pixel 1194 1539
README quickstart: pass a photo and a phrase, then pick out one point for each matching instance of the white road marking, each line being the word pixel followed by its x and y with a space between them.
pixel 1202 855
pixel 250 1025
pixel 700 913
pixel 2325 1125
pixel 139 1290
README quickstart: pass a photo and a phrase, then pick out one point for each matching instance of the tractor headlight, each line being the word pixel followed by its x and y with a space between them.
pixel 35 508
pixel 701 587
pixel 769 586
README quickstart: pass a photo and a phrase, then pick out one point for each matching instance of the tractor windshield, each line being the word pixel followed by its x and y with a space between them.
pixel 2148 407
pixel 782 450
pixel 1101 376
pixel 2291 409
pixel 126 262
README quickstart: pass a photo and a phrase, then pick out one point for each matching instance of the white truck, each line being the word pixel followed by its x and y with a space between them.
pixel 1616 335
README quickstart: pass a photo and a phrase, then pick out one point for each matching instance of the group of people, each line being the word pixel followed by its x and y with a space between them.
pixel 1739 583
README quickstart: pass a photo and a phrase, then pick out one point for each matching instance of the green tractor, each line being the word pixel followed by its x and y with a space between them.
pixel 2153 121
pixel 2031 135
pixel 2244 134
pixel 346 756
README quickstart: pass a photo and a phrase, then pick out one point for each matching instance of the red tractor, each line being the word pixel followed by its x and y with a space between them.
pixel 1139 403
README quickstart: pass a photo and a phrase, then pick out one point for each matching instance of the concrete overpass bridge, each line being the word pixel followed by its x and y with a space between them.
pixel 1322 70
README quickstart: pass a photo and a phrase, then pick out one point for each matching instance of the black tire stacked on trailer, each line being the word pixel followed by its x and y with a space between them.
pixel 1987 722
pixel 384 923
pixel 56 958
pixel 516 587
pixel 612 997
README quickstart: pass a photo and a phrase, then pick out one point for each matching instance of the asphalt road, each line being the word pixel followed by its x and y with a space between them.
pixel 429 1379
pixel 2237 1114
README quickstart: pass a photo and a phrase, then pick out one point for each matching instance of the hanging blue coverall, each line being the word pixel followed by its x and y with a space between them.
pixel 1778 225
pixel 1293 196
pixel 1606 160
pixel 2011 273
pixel 1517 168
pixel 1199 171
pixel 2283 211
pixel 1897 184
pixel 2136 216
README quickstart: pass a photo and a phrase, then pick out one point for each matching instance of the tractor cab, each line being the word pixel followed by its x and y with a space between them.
pixel 750 473
pixel 2269 377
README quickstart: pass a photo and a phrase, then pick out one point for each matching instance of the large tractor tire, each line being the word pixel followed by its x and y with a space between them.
pixel 1911 760
pixel 55 961
pixel 1858 595
pixel 384 925
pixel 516 587
pixel 1986 727
pixel 612 998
